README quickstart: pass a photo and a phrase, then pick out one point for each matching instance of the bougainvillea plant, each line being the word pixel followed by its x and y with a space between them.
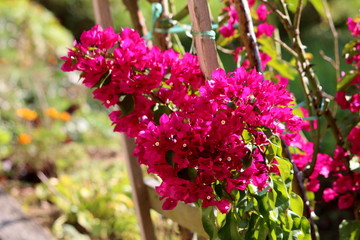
pixel 232 142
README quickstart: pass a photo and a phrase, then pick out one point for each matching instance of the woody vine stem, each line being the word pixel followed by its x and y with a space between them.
pixel 317 102
pixel 249 39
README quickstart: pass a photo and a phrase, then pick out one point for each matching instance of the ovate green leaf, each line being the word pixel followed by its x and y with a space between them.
pixel 209 222
pixel 126 104
pixel 296 204
pixel 230 229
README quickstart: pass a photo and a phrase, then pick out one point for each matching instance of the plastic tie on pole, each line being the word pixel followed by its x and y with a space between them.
pixel 205 34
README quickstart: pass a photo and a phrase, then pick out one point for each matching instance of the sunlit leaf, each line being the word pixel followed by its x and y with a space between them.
pixel 319 6
pixel 345 82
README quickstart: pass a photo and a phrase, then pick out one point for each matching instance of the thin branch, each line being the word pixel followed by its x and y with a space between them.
pixel 307 74
pixel 247 34
pixel 297 17
pixel 225 50
pixel 285 46
pixel 327 58
pixel 162 40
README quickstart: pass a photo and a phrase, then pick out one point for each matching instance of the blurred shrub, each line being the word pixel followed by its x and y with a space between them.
pixel 45 117
pixel 95 200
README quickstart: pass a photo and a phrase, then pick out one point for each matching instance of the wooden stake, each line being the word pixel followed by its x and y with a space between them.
pixel 136 15
pixel 205 46
pixel 139 192
pixel 102 13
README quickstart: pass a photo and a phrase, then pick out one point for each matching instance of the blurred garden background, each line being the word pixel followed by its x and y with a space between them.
pixel 58 154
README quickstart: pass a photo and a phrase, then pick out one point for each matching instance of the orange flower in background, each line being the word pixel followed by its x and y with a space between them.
pixel 24 138
pixel 52 112
pixel 26 114
pixel 65 116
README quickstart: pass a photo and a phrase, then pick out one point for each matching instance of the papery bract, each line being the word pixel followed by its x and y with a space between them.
pixel 354 26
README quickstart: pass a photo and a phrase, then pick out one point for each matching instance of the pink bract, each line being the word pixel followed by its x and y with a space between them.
pixel 354 27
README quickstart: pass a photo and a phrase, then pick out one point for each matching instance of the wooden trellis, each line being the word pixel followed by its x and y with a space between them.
pixel 144 194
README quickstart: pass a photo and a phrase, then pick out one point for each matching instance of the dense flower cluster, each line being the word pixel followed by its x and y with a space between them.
pixel 263 29
pixel 345 183
pixel 196 135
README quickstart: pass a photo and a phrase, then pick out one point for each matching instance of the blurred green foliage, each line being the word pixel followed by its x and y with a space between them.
pixel 50 126
pixel 96 198
pixel 31 43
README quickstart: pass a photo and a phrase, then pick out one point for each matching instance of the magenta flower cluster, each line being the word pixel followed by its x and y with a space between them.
pixel 198 136
pixel 351 99
pixel 263 28
pixel 345 183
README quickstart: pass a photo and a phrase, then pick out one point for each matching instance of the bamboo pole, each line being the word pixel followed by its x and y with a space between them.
pixel 139 191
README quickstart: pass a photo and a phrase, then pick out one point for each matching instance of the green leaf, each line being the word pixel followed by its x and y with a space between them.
pixel 286 171
pixel 319 7
pixel 345 82
pixel 264 207
pixel 282 195
pixel 293 4
pixel 169 155
pixel 274 149
pixel 350 230
pixel 219 190
pixel 209 222
pixel 350 48
pixel 224 41
pixel 230 229
pixel 296 204
pixel 160 109
pixel 126 104
pixel 187 174
pixel 257 228
pixel 231 105
pixel 247 160
pixel 246 136
pixel 306 229
pixel 281 66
